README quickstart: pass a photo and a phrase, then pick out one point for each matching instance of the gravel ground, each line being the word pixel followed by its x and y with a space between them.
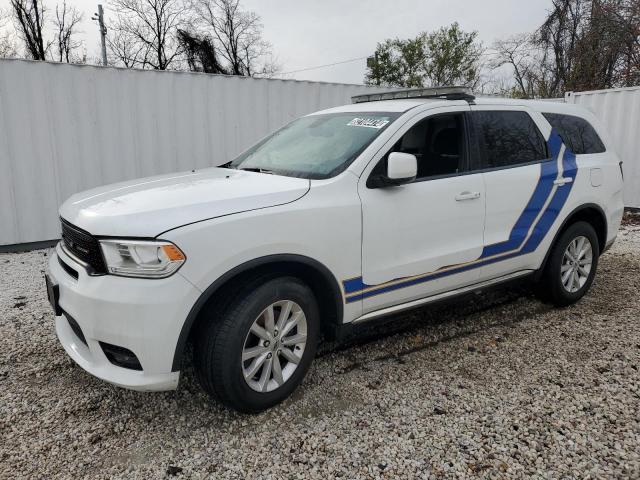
pixel 497 386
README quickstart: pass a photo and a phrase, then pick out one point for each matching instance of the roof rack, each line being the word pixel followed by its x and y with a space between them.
pixel 445 93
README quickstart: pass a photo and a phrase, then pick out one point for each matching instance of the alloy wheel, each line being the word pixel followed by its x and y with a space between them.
pixel 274 346
pixel 576 264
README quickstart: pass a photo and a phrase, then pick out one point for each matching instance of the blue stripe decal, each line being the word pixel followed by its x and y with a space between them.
pixel 353 285
pixel 570 170
pixel 548 173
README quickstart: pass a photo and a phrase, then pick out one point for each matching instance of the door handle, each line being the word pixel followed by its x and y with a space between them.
pixel 563 181
pixel 467 196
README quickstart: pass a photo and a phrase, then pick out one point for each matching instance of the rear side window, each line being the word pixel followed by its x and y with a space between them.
pixel 508 138
pixel 577 133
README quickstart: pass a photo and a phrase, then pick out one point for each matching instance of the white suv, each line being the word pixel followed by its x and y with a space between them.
pixel 340 217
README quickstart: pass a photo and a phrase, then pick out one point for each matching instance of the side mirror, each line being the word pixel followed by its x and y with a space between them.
pixel 401 168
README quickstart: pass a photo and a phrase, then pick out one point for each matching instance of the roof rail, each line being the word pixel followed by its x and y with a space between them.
pixel 445 93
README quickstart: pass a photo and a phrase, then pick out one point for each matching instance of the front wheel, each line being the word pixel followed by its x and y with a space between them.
pixel 571 266
pixel 260 347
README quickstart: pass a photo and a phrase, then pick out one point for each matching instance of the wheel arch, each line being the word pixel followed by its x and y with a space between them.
pixel 319 278
pixel 590 213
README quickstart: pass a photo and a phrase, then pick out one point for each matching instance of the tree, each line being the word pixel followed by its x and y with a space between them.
pixel 608 47
pixel 66 24
pixel 448 56
pixel 200 53
pixel 589 44
pixel 582 45
pixel 518 53
pixel 145 32
pixel 7 43
pixel 236 35
pixel 453 57
pixel 398 63
pixel 29 16
pixel 125 49
pixel 630 62
pixel 557 39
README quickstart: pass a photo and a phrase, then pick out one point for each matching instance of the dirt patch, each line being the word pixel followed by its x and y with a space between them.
pixel 631 219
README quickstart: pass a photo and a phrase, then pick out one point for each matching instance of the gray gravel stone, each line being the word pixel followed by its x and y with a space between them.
pixel 497 386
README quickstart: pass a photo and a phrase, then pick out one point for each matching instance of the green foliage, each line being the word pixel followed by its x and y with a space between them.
pixel 453 57
pixel 448 56
pixel 399 63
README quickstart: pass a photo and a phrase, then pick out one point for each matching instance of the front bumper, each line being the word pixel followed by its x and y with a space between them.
pixel 142 315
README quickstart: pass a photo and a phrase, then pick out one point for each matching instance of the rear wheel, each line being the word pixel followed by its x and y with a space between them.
pixel 571 266
pixel 260 346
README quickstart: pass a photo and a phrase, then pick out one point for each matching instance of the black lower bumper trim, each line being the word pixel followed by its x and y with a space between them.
pixel 75 327
pixel 120 356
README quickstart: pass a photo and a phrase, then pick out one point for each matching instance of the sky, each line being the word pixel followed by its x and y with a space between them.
pixel 309 33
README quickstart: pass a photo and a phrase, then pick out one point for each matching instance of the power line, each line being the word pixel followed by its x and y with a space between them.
pixel 323 66
pixel 483 54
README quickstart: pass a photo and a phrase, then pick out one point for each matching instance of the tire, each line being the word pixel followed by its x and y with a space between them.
pixel 558 285
pixel 229 335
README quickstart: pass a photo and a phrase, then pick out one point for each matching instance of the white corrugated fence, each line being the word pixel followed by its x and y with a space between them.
pixel 67 128
pixel 619 110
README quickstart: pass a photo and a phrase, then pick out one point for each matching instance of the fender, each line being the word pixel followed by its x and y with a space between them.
pixel 565 222
pixel 318 267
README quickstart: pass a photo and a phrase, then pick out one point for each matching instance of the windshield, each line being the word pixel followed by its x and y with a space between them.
pixel 317 146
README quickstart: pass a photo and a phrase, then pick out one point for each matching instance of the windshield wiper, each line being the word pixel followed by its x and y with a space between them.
pixel 255 169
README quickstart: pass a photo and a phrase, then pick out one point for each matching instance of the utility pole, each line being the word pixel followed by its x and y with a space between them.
pixel 103 32
pixel 372 63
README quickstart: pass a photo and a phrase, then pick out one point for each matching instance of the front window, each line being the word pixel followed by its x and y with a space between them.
pixel 316 146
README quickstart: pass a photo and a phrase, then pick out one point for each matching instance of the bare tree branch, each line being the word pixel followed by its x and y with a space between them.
pixel 237 35
pixel 124 49
pixel 145 33
pixel 29 17
pixel 519 53
pixel 66 25
pixel 590 44
pixel 582 45
pixel 8 46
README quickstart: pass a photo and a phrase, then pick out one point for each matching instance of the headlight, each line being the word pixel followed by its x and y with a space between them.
pixel 139 258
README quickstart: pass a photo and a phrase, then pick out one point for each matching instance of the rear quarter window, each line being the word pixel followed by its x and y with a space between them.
pixel 577 133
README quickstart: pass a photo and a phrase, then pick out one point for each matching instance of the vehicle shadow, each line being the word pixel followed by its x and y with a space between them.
pixel 427 327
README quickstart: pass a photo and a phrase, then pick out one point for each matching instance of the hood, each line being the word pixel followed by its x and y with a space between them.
pixel 150 206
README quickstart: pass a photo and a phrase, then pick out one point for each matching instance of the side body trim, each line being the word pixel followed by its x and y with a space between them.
pixel 441 296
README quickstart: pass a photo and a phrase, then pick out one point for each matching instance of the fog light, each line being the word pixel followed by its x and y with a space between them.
pixel 120 356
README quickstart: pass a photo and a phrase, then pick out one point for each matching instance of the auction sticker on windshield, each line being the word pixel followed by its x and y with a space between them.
pixel 368 122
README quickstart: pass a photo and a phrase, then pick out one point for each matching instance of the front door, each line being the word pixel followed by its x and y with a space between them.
pixel 418 237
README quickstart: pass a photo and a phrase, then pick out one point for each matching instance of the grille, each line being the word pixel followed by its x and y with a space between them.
pixel 84 246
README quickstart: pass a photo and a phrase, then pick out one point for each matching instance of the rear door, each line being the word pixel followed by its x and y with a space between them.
pixel 417 237
pixel 519 170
